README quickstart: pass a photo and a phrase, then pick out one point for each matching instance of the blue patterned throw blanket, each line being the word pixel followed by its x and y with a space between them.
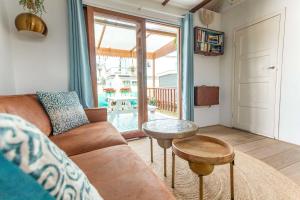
pixel 27 147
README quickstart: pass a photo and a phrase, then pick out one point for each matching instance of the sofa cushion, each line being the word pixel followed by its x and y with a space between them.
pixel 118 172
pixel 64 110
pixel 27 107
pixel 88 138
pixel 25 146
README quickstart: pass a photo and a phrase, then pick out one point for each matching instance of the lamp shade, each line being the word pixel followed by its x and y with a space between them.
pixel 31 22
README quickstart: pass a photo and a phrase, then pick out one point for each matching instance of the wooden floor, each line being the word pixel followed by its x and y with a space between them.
pixel 282 156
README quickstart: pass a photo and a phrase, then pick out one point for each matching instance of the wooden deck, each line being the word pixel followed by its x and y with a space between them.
pixel 282 156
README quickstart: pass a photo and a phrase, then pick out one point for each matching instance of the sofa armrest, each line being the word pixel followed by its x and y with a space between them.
pixel 96 114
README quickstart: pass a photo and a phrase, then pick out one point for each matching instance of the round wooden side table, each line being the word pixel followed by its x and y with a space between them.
pixel 203 153
pixel 164 131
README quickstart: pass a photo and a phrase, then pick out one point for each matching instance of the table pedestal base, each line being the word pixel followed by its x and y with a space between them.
pixel 173 169
pixel 165 144
pixel 202 169
pixel 165 131
pixel 151 149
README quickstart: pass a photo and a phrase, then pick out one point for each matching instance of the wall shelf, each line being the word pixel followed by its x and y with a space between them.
pixel 208 42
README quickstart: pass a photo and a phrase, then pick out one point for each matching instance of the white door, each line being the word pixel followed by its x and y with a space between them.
pixel 256 64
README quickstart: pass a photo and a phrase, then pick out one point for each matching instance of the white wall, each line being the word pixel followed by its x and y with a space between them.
pixel 207 71
pixel 6 70
pixel 289 126
pixel 40 63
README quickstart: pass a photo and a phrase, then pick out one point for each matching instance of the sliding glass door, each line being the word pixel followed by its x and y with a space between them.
pixel 118 44
pixel 135 68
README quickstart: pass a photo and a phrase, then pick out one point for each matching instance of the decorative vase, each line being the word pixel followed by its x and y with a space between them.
pixel 31 22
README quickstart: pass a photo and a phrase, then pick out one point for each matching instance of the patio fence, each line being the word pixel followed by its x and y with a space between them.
pixel 163 98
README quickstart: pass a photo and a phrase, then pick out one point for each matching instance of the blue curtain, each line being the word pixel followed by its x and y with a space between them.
pixel 80 72
pixel 187 58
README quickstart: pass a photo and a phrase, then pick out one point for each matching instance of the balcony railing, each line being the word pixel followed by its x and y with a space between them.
pixel 163 98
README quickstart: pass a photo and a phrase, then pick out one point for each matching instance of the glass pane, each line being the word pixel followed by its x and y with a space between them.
pixel 117 71
pixel 162 71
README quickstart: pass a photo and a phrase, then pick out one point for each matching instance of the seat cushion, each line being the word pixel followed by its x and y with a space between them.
pixel 117 172
pixel 88 137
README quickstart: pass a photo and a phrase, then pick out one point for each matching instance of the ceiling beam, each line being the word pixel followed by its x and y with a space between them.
pixel 101 36
pixel 165 50
pixel 158 32
pixel 120 53
pixel 115 24
pixel 120 25
pixel 165 2
pixel 200 5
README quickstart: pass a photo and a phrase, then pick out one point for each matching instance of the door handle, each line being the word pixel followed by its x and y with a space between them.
pixel 272 67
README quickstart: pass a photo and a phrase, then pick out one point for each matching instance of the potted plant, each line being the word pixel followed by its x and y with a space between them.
pixel 35 7
pixel 31 20
pixel 109 91
pixel 125 90
pixel 152 105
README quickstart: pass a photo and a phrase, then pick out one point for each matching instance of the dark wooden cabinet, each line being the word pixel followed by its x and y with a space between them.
pixel 206 95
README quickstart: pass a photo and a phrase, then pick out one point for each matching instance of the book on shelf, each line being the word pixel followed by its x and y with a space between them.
pixel 208 41
pixel 202 36
pixel 206 47
pixel 203 39
pixel 215 39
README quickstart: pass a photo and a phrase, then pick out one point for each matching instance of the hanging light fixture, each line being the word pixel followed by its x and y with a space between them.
pixel 30 21
pixel 206 16
pixel 232 2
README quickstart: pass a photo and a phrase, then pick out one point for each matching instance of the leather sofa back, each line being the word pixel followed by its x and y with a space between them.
pixel 27 107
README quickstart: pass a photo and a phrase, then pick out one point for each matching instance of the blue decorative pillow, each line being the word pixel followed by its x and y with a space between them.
pixel 14 183
pixel 27 147
pixel 64 110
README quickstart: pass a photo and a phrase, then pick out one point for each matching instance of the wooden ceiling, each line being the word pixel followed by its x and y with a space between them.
pixel 162 51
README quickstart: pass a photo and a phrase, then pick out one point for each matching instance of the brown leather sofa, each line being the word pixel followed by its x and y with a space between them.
pixel 98 149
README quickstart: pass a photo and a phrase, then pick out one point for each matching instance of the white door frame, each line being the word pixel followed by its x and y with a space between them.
pixel 282 15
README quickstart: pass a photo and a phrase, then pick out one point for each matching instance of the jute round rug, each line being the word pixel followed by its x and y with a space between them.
pixel 254 180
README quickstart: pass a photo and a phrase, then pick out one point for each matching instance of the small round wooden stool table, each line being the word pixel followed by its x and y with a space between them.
pixel 165 131
pixel 203 153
